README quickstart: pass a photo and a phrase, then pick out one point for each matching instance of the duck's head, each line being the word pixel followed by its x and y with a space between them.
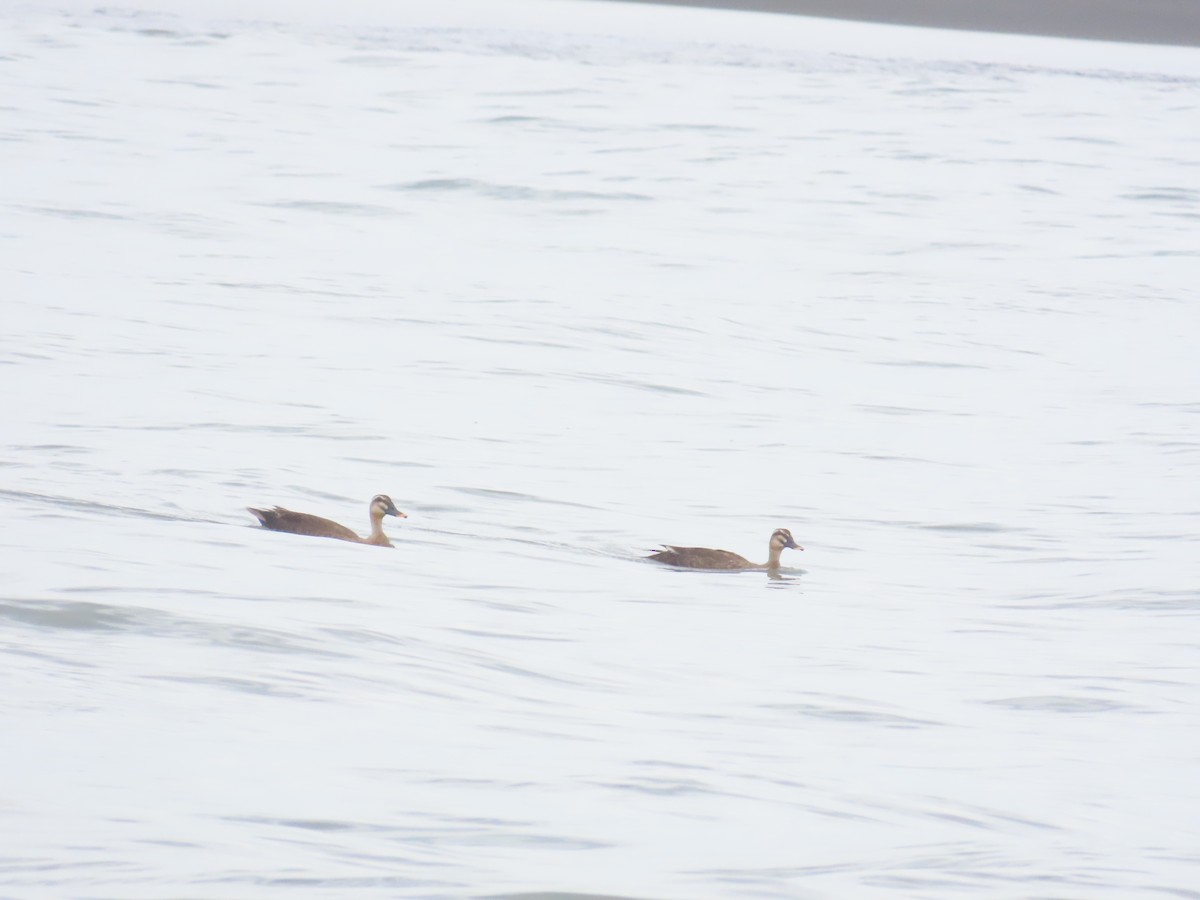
pixel 382 505
pixel 783 538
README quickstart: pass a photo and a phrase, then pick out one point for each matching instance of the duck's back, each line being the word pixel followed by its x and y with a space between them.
pixel 700 558
pixel 280 519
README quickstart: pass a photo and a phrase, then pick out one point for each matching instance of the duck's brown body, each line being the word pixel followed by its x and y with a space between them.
pixel 700 558
pixel 705 558
pixel 280 519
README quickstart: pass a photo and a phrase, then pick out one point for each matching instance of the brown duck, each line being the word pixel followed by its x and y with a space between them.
pixel 280 519
pixel 704 558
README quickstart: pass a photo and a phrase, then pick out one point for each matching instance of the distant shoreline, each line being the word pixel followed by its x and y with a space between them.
pixel 1138 21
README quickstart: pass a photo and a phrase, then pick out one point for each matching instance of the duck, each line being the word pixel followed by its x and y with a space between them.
pixel 704 558
pixel 280 519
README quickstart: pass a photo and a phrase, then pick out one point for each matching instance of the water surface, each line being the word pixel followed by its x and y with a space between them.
pixel 566 292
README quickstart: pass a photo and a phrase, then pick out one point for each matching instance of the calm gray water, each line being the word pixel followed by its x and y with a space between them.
pixel 567 291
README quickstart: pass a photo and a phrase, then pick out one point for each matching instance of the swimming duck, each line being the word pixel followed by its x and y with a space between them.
pixel 704 558
pixel 280 519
